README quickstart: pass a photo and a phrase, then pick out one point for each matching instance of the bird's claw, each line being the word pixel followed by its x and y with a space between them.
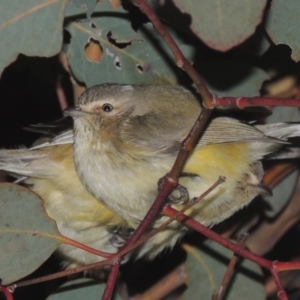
pixel 179 195
pixel 119 236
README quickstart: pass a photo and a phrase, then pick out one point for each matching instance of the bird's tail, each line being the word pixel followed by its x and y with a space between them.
pixel 22 162
pixel 281 131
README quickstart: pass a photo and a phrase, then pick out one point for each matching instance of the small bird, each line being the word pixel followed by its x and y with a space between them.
pixel 49 171
pixel 126 137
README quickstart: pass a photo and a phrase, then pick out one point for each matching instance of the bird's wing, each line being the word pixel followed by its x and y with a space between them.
pixel 52 128
pixel 19 162
pixel 151 133
pixel 227 130
pixel 66 137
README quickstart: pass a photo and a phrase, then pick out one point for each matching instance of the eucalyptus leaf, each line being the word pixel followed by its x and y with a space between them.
pixel 223 24
pixel 27 234
pixel 87 5
pixel 31 27
pixel 283 25
pixel 124 55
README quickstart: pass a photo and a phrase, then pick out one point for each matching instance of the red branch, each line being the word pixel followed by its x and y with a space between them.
pixel 287 266
pixel 242 102
pixel 111 281
pixel 281 292
pixel 230 268
pixel 5 290
pixel 76 244
pixel 181 61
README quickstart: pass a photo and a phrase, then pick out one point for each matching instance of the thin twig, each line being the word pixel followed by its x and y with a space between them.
pixel 86 248
pixel 5 290
pixel 64 273
pixel 242 102
pixel 280 290
pixel 62 99
pixel 228 274
pixel 111 281
pixel 181 61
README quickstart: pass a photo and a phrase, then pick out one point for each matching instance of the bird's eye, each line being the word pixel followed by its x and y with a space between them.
pixel 107 107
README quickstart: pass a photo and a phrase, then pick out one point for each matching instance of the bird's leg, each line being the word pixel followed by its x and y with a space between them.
pixel 180 194
pixel 120 235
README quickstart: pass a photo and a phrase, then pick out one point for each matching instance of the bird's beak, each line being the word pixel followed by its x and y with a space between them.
pixel 74 112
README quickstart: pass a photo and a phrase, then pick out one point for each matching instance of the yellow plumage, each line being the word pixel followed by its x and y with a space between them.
pixel 51 174
pixel 65 183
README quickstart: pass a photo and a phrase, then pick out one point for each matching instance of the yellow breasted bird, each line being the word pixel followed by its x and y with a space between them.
pixel 126 137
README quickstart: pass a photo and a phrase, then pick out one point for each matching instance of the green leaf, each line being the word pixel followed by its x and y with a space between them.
pixel 27 234
pixel 205 269
pixel 223 24
pixel 87 5
pixel 31 27
pixel 283 25
pixel 73 9
pixel 79 289
pixel 119 54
